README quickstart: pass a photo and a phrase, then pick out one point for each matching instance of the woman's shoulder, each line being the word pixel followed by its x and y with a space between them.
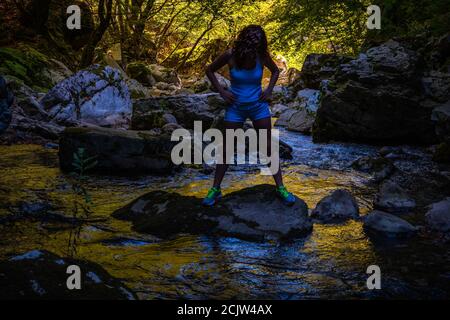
pixel 229 56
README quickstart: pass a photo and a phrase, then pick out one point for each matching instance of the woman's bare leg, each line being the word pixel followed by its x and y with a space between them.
pixel 266 123
pixel 221 169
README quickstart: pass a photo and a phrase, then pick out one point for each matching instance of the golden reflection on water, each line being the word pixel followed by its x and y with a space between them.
pixel 186 266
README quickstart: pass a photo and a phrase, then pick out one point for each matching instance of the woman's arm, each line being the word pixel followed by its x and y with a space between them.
pixel 270 64
pixel 221 61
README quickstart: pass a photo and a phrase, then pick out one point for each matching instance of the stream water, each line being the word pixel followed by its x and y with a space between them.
pixel 329 263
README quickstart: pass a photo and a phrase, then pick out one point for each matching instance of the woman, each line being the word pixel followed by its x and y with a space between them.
pixel 246 98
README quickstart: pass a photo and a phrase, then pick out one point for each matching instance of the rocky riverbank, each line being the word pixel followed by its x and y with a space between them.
pixel 393 94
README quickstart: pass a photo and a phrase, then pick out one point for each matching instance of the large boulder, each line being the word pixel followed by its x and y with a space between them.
pixel 301 121
pixel 285 116
pixel 254 213
pixel 6 100
pixel 29 130
pixel 30 123
pixel 387 224
pixel 299 114
pixel 97 95
pixel 27 100
pixel 393 198
pixel 336 207
pixel 40 274
pixel 438 215
pixel 376 98
pixel 185 108
pixel 318 67
pixel 117 151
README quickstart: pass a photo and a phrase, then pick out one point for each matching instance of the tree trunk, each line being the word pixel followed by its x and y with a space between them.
pixel 189 54
pixel 105 17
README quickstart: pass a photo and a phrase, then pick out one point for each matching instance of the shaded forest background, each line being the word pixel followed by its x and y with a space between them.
pixel 188 34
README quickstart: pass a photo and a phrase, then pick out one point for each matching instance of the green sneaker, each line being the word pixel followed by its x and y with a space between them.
pixel 287 197
pixel 214 194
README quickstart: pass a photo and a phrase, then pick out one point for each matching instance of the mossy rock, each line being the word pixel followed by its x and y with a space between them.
pixel 28 65
pixel 140 72
pixel 149 120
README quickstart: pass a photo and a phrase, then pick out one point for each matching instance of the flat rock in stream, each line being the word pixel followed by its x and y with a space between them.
pixel 387 224
pixel 253 214
pixel 41 274
pixel 117 151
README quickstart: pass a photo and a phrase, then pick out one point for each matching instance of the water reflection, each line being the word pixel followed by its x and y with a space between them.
pixel 329 263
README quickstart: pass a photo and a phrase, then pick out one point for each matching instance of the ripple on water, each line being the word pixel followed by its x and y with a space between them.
pixel 329 263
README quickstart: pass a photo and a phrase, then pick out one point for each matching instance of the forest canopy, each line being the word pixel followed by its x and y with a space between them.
pixel 187 34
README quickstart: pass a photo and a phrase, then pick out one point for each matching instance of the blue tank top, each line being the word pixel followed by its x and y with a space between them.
pixel 246 84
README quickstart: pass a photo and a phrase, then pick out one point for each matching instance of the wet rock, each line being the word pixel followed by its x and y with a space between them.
pixel 438 215
pixel 97 95
pixel 376 98
pixel 6 100
pixel 43 275
pixel 253 213
pixel 117 151
pixel 51 145
pixel 285 151
pixel 35 208
pixel 339 206
pixel 393 198
pixel 301 121
pixel 380 167
pixel 388 224
pixel 185 108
